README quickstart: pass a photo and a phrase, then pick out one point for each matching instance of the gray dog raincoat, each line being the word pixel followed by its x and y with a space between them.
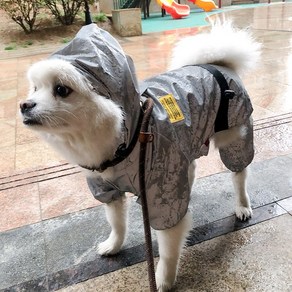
pixel 186 103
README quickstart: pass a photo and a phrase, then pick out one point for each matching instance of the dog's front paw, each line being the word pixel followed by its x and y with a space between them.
pixel 164 281
pixel 110 246
pixel 243 213
pixel 162 285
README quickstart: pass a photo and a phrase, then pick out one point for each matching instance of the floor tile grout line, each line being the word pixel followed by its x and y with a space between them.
pixel 270 126
pixel 40 180
pixel 38 175
pixel 286 120
pixel 273 119
pixel 35 170
pixel 35 178
pixel 275 116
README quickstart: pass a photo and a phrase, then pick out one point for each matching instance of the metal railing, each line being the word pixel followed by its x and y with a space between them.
pixel 123 4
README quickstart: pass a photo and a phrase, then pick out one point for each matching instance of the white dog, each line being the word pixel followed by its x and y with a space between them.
pixel 85 101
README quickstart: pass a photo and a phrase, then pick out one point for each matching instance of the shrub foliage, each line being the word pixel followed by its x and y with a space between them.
pixel 64 10
pixel 23 12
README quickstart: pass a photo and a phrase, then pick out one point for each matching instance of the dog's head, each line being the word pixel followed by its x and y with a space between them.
pixel 87 83
pixel 59 97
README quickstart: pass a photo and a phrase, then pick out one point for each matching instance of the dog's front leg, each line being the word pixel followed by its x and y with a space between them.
pixel 116 214
pixel 170 243
pixel 243 209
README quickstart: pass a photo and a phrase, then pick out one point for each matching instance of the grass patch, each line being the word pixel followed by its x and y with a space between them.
pixel 100 17
pixel 13 46
pixel 10 47
pixel 27 44
pixel 65 41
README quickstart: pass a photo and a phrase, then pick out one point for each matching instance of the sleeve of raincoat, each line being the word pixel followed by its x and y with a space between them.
pixel 102 190
pixel 239 154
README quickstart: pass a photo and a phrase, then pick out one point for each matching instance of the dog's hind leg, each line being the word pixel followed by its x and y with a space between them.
pixel 243 210
pixel 116 214
pixel 170 243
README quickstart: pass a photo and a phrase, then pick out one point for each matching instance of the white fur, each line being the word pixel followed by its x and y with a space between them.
pixel 116 214
pixel 223 45
pixel 171 243
pixel 86 129
pixel 243 210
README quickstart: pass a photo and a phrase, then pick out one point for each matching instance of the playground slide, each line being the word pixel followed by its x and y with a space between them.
pixel 174 9
pixel 206 5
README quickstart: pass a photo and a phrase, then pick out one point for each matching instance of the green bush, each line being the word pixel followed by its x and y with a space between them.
pixel 23 12
pixel 100 17
pixel 64 10
pixel 65 41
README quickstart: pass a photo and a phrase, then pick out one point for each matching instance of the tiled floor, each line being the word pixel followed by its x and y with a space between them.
pixel 36 184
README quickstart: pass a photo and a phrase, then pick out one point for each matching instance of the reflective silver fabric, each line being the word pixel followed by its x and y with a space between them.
pixel 192 97
pixel 176 144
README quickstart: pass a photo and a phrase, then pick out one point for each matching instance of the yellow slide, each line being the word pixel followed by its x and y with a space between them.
pixel 206 5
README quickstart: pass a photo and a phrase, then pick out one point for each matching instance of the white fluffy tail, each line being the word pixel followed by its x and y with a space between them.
pixel 223 45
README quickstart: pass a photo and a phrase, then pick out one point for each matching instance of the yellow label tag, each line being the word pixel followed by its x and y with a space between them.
pixel 173 110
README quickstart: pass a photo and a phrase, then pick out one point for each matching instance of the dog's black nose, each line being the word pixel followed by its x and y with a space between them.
pixel 26 106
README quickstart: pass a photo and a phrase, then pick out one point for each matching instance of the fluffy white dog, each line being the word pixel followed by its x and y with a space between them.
pixel 84 100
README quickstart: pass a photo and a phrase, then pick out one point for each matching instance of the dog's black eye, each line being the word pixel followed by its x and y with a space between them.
pixel 62 91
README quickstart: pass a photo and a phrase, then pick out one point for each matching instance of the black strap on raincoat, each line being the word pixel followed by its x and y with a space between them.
pixel 221 122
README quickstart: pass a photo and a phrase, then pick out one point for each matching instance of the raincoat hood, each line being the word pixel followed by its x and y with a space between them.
pixel 100 58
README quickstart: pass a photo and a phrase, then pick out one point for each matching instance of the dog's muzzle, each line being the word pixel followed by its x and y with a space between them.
pixel 26 108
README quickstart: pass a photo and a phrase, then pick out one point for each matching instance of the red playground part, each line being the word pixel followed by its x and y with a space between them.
pixel 174 9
